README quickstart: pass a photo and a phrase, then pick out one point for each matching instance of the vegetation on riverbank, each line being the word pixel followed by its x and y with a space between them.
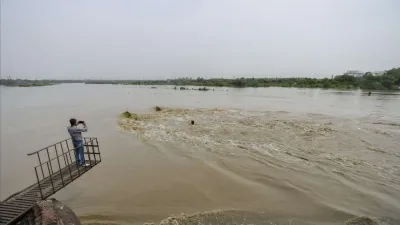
pixel 129 115
pixel 33 83
pixel 390 80
pixel 197 89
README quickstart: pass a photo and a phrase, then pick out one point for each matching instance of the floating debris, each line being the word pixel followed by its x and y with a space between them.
pixel 129 115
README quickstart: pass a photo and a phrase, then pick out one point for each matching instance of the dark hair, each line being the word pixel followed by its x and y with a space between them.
pixel 72 121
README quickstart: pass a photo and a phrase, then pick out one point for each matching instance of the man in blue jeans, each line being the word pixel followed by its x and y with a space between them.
pixel 77 140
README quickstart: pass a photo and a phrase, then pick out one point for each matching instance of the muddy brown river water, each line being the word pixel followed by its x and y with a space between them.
pixel 254 155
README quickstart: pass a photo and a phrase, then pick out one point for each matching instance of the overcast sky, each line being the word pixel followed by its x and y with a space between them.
pixel 153 39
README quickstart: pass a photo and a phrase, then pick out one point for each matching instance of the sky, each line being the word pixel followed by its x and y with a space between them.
pixel 160 39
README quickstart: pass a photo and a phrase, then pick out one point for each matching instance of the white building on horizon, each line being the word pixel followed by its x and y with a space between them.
pixel 354 73
pixel 378 73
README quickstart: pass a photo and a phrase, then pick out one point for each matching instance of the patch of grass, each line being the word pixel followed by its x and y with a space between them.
pixel 130 115
pixel 390 124
pixel 203 89
pixel 158 108
pixel 29 85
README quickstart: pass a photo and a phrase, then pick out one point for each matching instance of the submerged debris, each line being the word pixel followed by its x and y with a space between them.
pixel 129 115
pixel 364 220
pixel 229 217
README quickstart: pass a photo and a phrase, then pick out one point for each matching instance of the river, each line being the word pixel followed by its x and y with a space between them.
pixel 254 155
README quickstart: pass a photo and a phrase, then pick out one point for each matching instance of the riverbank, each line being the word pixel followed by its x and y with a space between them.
pixel 27 85
pixel 390 80
pixel 34 83
pixel 258 83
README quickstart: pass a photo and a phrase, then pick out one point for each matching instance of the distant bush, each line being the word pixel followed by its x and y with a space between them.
pixel 157 108
pixel 389 80
pixel 129 115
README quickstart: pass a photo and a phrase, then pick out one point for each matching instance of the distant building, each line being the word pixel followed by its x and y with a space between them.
pixel 378 73
pixel 355 73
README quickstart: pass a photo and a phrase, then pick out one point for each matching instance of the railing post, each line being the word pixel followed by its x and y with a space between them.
pixel 59 165
pixel 94 155
pixel 38 182
pixel 98 148
pixel 48 156
pixel 88 153
pixel 51 178
pixel 40 163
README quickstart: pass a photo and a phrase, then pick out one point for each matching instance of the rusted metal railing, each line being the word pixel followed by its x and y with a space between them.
pixel 57 164
pixel 56 168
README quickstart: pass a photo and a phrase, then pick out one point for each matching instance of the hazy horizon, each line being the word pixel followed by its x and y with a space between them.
pixel 124 39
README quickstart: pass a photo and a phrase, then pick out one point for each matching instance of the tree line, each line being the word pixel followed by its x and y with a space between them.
pixel 28 83
pixel 390 80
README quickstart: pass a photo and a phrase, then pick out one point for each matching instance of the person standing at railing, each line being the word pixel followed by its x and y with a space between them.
pixel 76 135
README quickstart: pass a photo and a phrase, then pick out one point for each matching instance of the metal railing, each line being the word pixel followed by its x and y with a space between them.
pixel 56 168
pixel 57 165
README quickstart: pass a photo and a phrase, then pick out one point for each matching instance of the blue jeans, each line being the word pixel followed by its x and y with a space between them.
pixel 79 148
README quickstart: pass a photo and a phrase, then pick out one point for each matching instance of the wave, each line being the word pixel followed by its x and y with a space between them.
pixel 232 217
pixel 337 164
pixel 236 217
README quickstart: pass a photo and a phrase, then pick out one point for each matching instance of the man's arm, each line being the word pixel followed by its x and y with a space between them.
pixel 83 129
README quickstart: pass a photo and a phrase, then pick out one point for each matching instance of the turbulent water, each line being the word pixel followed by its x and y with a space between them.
pixel 337 164
pixel 253 156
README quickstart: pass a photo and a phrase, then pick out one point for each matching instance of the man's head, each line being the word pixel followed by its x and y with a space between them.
pixel 72 122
